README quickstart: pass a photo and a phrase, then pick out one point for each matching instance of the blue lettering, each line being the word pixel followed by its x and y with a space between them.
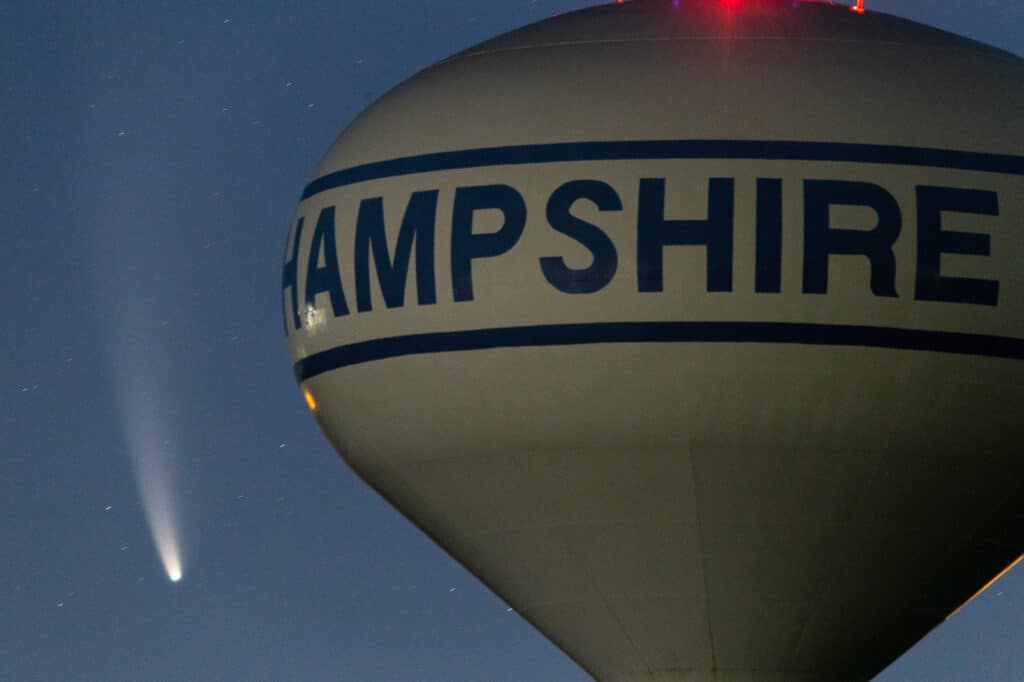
pixel 605 259
pixel 327 278
pixel 768 244
pixel 873 240
pixel 417 224
pixel 654 232
pixel 466 246
pixel 291 277
pixel 933 241
pixel 821 240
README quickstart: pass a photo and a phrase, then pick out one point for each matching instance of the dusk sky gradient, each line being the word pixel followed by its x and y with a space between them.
pixel 151 156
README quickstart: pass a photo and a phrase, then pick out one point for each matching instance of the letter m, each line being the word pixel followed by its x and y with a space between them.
pixel 392 273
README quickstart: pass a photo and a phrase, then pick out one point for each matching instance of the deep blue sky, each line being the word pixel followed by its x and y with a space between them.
pixel 150 159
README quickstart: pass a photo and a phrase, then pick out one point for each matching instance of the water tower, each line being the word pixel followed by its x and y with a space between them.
pixel 694 329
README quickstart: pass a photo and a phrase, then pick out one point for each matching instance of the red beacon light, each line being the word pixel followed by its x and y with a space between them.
pixel 734 4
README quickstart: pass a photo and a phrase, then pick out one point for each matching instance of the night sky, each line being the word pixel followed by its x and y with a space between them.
pixel 151 155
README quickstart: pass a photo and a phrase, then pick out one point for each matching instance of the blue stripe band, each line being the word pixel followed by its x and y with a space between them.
pixel 669 149
pixel 660 332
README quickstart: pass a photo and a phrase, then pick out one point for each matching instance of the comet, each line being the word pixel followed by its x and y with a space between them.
pixel 155 492
pixel 165 537
pixel 134 279
pixel 151 457
pixel 144 418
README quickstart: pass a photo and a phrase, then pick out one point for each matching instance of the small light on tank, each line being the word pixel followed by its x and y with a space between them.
pixel 859 7
pixel 310 400
pixel 313 320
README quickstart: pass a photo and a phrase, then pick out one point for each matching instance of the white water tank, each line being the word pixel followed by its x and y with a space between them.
pixel 694 329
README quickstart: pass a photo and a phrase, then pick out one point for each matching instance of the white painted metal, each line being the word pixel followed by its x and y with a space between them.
pixel 694 510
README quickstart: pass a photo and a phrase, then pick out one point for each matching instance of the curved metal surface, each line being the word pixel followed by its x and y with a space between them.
pixel 785 454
